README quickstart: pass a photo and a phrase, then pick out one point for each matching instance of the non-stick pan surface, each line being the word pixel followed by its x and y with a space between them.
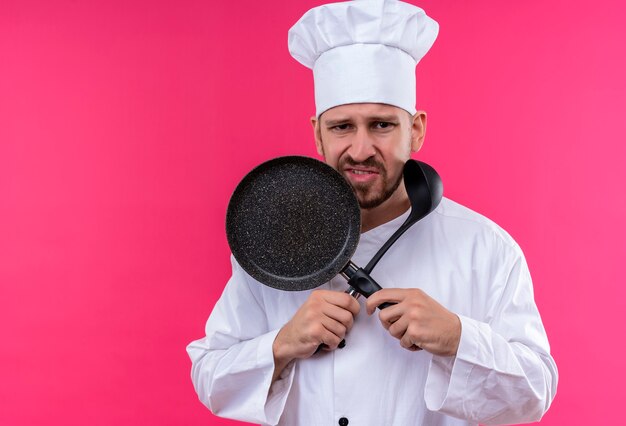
pixel 293 223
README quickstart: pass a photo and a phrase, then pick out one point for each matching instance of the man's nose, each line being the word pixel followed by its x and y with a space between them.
pixel 362 146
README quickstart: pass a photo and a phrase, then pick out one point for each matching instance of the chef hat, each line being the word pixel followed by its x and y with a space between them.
pixel 363 51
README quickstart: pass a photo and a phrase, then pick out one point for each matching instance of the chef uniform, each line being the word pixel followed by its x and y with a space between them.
pixel 502 372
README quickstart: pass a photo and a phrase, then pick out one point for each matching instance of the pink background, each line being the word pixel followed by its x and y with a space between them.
pixel 125 126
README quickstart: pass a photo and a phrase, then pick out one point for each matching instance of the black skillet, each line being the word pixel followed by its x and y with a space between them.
pixel 293 223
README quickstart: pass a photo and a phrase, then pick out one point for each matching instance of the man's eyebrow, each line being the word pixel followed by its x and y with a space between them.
pixel 336 122
pixel 389 118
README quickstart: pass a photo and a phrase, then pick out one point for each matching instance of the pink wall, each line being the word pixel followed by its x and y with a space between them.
pixel 124 127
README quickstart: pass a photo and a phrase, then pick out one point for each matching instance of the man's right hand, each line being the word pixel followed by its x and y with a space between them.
pixel 325 317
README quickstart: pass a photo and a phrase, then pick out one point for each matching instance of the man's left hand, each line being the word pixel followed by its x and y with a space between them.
pixel 417 320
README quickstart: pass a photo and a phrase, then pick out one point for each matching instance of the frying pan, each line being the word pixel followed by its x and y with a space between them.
pixel 293 223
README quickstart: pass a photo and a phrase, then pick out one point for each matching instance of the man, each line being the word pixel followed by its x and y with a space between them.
pixel 463 342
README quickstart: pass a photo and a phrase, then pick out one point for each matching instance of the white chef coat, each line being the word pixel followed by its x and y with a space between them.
pixel 502 373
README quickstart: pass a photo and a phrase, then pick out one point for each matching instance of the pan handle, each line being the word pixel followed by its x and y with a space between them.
pixel 362 282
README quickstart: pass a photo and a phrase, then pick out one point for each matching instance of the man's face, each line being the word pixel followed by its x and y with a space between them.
pixel 369 144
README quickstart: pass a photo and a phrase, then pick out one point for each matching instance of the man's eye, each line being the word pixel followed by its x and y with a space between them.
pixel 383 125
pixel 341 127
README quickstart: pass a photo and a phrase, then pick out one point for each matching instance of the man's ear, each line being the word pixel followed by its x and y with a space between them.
pixel 418 130
pixel 317 134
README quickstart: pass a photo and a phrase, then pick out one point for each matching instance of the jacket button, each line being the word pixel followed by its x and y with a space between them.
pixel 343 421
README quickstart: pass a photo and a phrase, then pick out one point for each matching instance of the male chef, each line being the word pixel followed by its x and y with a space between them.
pixel 463 343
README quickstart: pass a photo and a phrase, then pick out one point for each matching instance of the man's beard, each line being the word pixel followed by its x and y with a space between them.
pixel 368 199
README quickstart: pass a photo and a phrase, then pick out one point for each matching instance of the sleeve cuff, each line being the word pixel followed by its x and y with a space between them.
pixel 448 376
pixel 278 391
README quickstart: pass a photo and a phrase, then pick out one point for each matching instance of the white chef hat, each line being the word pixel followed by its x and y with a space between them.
pixel 363 51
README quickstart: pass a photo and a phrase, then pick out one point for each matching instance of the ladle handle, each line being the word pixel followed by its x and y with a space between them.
pixel 401 230
pixel 425 190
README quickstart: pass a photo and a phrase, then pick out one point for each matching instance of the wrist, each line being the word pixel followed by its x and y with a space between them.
pixel 281 348
pixel 282 355
pixel 455 338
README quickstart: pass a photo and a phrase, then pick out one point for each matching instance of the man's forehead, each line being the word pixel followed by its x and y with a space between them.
pixel 362 110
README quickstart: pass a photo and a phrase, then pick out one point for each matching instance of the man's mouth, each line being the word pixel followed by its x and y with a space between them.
pixel 361 175
pixel 361 172
pixel 361 169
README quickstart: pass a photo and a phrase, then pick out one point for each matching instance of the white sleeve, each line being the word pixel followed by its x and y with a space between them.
pixel 503 372
pixel 232 366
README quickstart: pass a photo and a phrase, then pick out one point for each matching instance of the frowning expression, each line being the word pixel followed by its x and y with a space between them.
pixel 368 144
